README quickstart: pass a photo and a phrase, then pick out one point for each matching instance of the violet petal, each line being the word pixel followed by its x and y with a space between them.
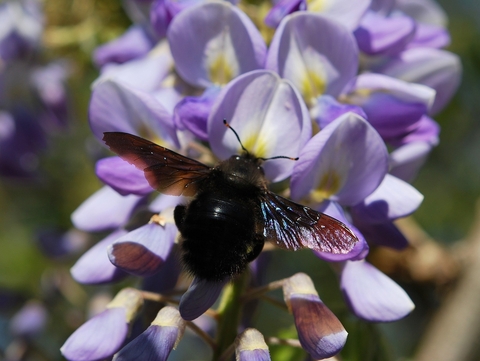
pixel 98 338
pixel 319 331
pixel 133 44
pixel 119 107
pixel 406 161
pixel 103 210
pixel 144 250
pixel 122 176
pixel 318 55
pixel 392 199
pixel 94 267
pixel 222 36
pixel 269 116
pixel 200 296
pixel 344 162
pixel 372 295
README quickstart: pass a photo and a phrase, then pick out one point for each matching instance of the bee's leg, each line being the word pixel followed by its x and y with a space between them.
pixel 179 216
pixel 257 246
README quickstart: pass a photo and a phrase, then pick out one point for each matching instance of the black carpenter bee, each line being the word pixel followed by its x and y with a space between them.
pixel 232 212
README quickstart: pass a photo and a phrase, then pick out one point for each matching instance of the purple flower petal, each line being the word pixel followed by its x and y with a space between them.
pixel 200 296
pixel 21 27
pixel 430 36
pixel 281 9
pixel 318 55
pixel 192 112
pixel 154 344
pixel 166 278
pixel 345 12
pixel 122 176
pixel 392 199
pixel 373 296
pixel 163 11
pixel 30 320
pixel 22 139
pixel 103 210
pixel 164 201
pixel 98 338
pixel 423 11
pixel 145 73
pixel 143 251
pixel 437 69
pixel 7 126
pixel 134 43
pixel 327 109
pixel 319 331
pixel 157 341
pixel 94 266
pixel 426 130
pixel 344 162
pixel 406 161
pixel 250 346
pixel 379 35
pixel 268 115
pixel 50 82
pixel 393 107
pixel 160 17
pixel 118 107
pixel 382 234
pixel 55 242
pixel 219 34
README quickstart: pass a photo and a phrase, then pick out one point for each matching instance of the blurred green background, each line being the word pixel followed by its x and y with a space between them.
pixel 450 180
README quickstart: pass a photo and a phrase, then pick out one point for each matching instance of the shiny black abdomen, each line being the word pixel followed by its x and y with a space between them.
pixel 219 231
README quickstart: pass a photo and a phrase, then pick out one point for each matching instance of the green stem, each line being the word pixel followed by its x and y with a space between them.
pixel 229 313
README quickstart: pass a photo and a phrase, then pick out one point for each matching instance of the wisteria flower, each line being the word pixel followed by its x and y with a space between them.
pixel 318 55
pixel 103 335
pixel 330 82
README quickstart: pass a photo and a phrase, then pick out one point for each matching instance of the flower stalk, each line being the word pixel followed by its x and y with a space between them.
pixel 229 313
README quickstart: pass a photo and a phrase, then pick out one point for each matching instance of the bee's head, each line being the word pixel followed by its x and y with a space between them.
pixel 247 155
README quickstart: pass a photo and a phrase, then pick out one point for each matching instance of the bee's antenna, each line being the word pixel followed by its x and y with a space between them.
pixel 234 132
pixel 279 157
pixel 264 159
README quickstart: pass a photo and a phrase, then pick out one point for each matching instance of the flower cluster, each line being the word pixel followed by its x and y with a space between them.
pixel 348 87
pixel 32 92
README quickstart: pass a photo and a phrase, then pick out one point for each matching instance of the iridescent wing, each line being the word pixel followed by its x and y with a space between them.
pixel 292 226
pixel 166 171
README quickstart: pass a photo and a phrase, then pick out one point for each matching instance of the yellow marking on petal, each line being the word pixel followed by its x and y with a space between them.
pixel 257 145
pixel 220 71
pixel 358 97
pixel 316 5
pixel 250 340
pixel 145 132
pixel 328 185
pixel 312 86
pixel 130 299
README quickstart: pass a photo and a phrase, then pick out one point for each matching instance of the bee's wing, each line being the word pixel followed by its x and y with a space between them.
pixel 166 171
pixel 292 226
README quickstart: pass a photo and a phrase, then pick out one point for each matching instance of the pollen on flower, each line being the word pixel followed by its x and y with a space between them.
pixel 220 70
pixel 359 97
pixel 316 5
pixel 257 145
pixel 312 85
pixel 329 184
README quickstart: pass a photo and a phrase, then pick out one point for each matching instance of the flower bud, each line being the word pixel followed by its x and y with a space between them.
pixel 250 346
pixel 104 334
pixel 319 331
pixel 158 340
